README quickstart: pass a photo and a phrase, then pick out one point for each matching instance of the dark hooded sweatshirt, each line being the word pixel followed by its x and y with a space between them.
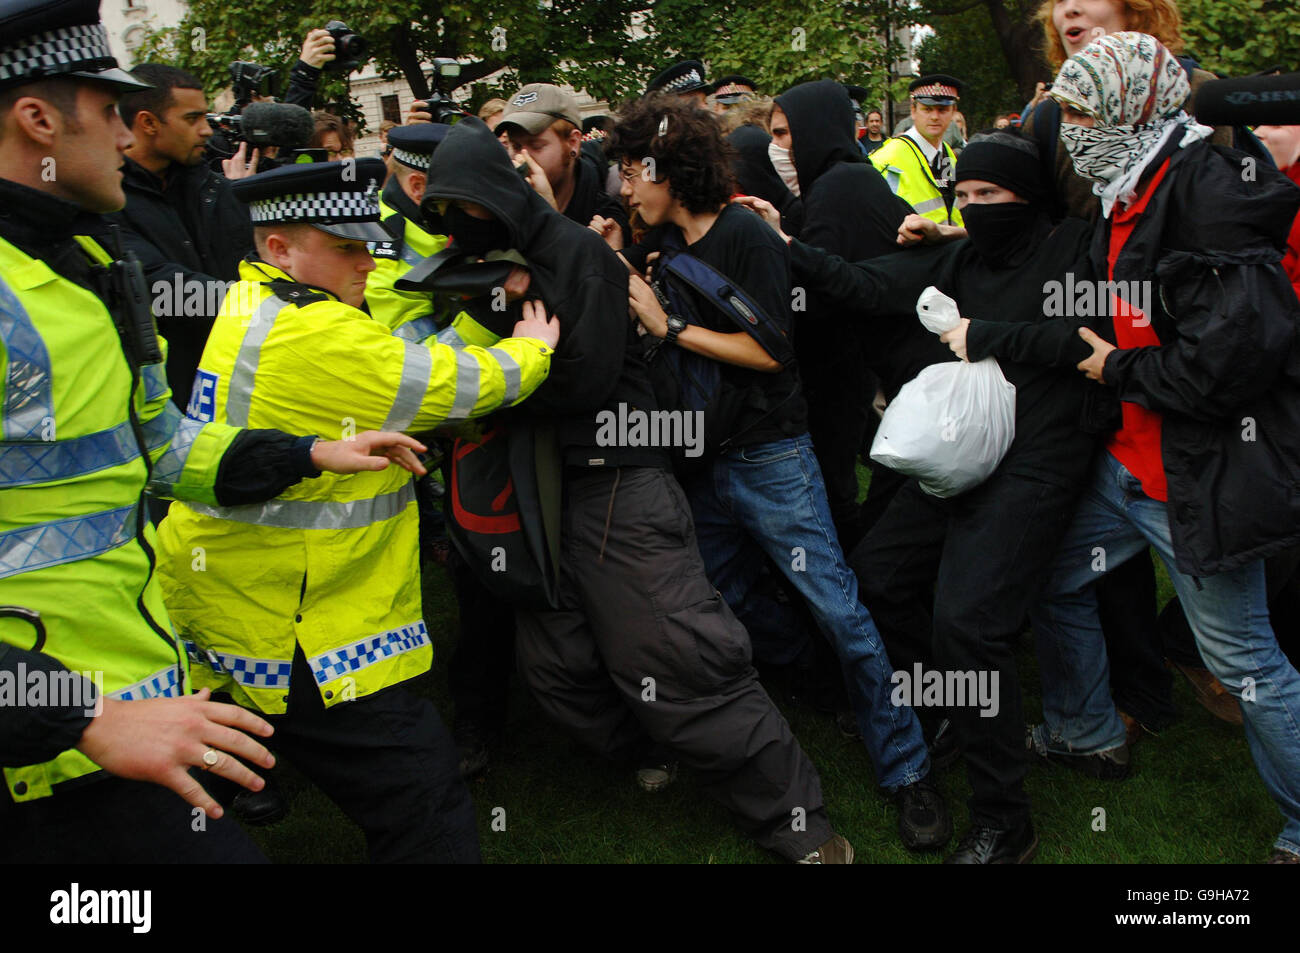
pixel 589 198
pixel 848 210
pixel 597 363
pixel 755 175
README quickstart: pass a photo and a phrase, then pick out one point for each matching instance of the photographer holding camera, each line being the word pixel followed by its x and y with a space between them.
pixel 180 219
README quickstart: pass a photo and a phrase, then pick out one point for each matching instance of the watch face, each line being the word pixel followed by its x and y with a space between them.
pixel 676 323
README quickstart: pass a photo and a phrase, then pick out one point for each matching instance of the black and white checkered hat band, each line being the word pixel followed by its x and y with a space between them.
pixel 328 207
pixel 64 50
pixel 686 79
pixel 414 160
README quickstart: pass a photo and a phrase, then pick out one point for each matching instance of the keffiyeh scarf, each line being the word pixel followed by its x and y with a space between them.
pixel 1135 89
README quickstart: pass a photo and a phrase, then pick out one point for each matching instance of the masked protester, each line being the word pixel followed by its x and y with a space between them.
pixel 915 564
pixel 634 598
pixel 1202 464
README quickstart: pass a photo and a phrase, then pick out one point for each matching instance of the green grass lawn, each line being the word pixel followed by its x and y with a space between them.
pixel 1194 796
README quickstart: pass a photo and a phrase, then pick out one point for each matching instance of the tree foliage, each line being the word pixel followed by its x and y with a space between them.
pixel 1242 36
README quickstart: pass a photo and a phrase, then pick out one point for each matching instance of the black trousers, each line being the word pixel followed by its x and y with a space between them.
pixel 388 762
pixel 949 584
pixel 109 820
pixel 479 672
pixel 839 402
pixel 644 649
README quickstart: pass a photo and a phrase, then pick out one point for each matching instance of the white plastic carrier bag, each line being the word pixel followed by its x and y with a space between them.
pixel 952 424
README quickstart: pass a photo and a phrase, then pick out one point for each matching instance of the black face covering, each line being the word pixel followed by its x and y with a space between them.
pixel 1004 232
pixel 475 235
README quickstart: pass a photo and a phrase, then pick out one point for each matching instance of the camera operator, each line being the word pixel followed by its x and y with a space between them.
pixel 180 218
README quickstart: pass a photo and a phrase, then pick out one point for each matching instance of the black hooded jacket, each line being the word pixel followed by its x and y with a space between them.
pixel 597 363
pixel 848 210
pixel 755 175
pixel 1226 376
pixel 589 198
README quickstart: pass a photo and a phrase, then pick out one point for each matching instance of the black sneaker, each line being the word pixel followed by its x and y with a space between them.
pixel 923 819
pixel 259 808
pixel 472 742
pixel 988 845
pixel 1110 765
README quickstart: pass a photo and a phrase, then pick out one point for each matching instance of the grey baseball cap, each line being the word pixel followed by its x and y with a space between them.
pixel 537 105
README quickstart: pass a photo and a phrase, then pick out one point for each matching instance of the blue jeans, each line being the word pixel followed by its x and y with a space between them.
pixel 1228 613
pixel 769 498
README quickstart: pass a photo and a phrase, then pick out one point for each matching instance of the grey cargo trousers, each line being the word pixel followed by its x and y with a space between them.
pixel 643 646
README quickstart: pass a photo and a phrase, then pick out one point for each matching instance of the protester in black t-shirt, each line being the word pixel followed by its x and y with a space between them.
pixel 762 492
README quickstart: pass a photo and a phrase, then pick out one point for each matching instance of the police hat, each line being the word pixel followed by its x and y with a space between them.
pixel 341 198
pixel 40 39
pixel 732 88
pixel 684 77
pixel 937 89
pixel 413 145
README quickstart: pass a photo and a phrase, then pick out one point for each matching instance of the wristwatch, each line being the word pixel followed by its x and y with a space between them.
pixel 675 327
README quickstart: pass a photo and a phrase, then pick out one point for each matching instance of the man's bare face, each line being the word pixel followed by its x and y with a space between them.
pixel 87 152
pixel 183 130
pixel 552 152
pixel 339 265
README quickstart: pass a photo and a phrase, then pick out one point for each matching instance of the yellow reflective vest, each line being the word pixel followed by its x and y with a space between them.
pixel 903 165
pixel 412 315
pixel 333 565
pixel 80 434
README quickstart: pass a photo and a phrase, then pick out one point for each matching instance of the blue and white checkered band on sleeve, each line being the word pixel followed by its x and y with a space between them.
pixel 62 50
pixel 685 79
pixel 412 160
pixel 327 207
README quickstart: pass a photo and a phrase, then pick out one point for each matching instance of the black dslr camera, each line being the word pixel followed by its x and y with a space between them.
pixel 350 50
pixel 440 105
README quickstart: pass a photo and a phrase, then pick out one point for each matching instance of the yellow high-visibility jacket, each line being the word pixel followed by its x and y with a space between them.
pixel 331 565
pixel 904 167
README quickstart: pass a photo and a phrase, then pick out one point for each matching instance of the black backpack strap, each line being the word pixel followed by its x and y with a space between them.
pixel 732 300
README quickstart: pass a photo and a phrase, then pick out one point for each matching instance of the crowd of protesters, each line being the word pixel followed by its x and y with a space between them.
pixel 519 291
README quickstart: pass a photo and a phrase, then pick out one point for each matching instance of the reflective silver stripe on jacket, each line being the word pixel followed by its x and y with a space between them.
pixel 29 400
pixel 246 670
pixel 368 651
pixel 159 428
pixel 417 329
pixel 450 337
pixel 155 380
pixel 41 461
pixel 929 205
pixel 167 471
pixel 509 367
pixel 467 378
pixel 416 367
pixel 310 514
pixel 66 540
pixel 410 255
pixel 240 394
pixel 163 684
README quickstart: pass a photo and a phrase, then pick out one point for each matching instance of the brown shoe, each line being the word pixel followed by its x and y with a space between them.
pixel 1132 727
pixel 835 851
pixel 1281 856
pixel 1211 694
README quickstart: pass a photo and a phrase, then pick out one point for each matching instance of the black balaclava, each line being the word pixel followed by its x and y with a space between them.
pixel 1004 233
pixel 474 235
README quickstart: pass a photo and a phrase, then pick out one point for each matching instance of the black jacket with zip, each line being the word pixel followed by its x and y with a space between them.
pixel 597 363
pixel 1226 376
pixel 189 224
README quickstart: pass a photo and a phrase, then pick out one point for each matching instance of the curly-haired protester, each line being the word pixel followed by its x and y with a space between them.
pixel 1203 463
pixel 762 494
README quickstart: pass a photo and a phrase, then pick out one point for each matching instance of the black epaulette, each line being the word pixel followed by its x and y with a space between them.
pixel 388 250
pixel 295 293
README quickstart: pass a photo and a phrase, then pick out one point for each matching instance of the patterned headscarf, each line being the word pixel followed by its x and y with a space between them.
pixel 1135 89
